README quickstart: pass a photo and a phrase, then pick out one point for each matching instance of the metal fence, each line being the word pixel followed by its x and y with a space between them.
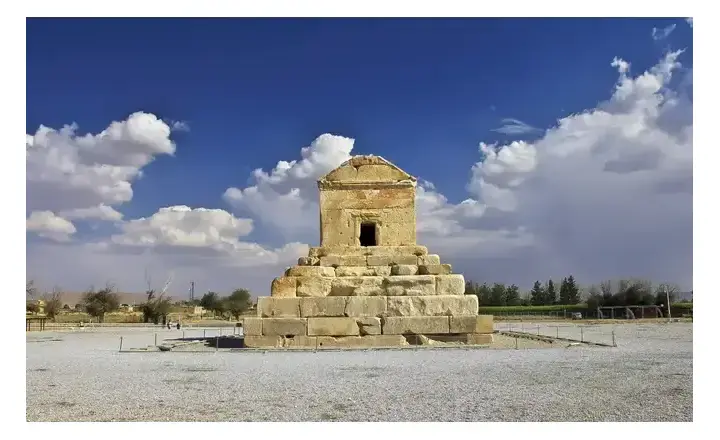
pixel 591 334
pixel 143 340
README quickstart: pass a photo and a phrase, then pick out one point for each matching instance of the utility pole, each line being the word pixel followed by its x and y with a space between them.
pixel 667 298
pixel 192 290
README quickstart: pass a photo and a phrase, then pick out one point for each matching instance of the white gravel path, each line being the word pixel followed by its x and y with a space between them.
pixel 80 376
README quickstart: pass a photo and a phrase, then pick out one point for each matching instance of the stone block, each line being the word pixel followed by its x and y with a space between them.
pixel 316 252
pixel 342 260
pixel 362 271
pixel 333 327
pixel 403 269
pixel 284 326
pixel 366 306
pixel 314 286
pixel 401 285
pixel 399 325
pixel 299 342
pixel 435 305
pixel 389 260
pixel 263 341
pixel 429 259
pixel 283 287
pixel 450 284
pixel 435 269
pixel 369 325
pixel 480 324
pixel 480 339
pixel 327 306
pixel 357 286
pixel 252 326
pixel 362 341
pixel 273 307
pixel 308 261
pixel 326 251
pixel 397 250
pixel 310 271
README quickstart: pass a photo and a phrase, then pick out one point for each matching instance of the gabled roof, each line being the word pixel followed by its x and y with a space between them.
pixel 369 168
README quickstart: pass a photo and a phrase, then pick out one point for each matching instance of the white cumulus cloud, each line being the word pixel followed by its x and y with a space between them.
pixel 201 232
pixel 47 224
pixel 604 193
pixel 184 226
pixel 66 170
pixel 286 197
pixel 99 212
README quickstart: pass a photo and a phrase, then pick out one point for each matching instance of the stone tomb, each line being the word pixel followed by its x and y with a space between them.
pixel 369 284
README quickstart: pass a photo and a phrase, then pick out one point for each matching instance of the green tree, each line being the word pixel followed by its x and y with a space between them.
pixel 53 303
pixel 238 302
pixel 155 308
pixel 484 294
pixel 594 301
pixel 564 292
pixel 31 307
pixel 512 295
pixel 209 301
pixel 497 295
pixel 672 289
pixel 97 304
pixel 212 301
pixel 550 294
pixel 607 291
pixel 537 294
pixel 573 290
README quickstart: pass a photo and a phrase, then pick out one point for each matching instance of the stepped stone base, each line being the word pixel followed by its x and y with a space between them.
pixel 377 296
pixel 367 341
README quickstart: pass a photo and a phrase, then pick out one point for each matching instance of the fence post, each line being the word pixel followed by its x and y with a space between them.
pixel 204 330
pixel 538 330
pixel 156 339
pixel 121 341
pixel 217 342
pixel 183 334
pixel 581 335
pixel 516 342
pixel 613 337
pixel 557 332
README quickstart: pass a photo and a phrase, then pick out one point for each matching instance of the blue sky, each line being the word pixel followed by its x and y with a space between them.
pixel 422 93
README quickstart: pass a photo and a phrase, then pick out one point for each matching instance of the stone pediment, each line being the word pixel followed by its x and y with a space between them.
pixel 366 170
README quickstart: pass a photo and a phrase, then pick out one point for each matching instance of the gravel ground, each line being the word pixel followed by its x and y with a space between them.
pixel 80 376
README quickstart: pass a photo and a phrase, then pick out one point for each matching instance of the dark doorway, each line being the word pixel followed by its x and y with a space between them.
pixel 367 234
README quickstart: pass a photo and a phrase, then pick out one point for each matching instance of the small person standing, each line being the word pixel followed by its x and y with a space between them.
pixel 178 325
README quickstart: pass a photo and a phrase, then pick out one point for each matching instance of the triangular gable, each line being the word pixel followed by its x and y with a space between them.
pixel 367 169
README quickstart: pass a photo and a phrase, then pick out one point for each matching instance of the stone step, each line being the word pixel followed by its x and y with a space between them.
pixel 377 306
pixel 364 251
pixel 392 285
pixel 326 342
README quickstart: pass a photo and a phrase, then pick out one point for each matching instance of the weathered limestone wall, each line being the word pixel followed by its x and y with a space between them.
pixel 367 189
pixel 391 209
pixel 353 330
